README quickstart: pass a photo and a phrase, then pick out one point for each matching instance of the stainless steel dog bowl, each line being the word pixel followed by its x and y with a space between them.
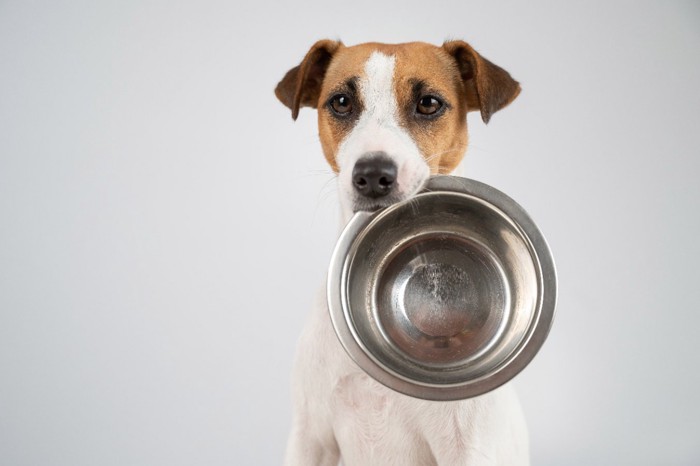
pixel 445 296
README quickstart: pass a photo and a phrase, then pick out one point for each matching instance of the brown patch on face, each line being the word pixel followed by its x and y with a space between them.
pixel 334 127
pixel 424 71
pixel 342 77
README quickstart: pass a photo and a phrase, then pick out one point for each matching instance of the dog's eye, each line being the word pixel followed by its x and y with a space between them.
pixel 341 104
pixel 428 105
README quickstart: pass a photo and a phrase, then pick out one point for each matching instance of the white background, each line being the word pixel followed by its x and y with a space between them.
pixel 164 224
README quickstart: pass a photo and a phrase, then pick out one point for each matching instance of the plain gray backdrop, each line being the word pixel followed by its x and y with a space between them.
pixel 164 224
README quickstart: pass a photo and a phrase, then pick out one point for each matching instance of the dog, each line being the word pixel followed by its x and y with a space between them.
pixel 389 117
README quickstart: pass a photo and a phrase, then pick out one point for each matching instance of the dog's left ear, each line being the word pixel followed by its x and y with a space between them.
pixel 301 86
pixel 488 87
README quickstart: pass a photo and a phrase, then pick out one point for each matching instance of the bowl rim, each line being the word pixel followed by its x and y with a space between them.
pixel 337 295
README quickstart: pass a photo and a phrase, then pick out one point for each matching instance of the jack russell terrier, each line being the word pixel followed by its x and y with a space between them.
pixel 389 117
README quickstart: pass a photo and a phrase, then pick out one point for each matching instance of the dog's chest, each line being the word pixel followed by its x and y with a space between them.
pixel 372 425
pixel 357 396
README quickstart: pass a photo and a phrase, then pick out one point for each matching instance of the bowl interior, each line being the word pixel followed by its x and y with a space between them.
pixel 442 289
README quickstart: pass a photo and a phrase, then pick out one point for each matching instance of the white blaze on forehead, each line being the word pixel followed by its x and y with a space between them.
pixel 377 87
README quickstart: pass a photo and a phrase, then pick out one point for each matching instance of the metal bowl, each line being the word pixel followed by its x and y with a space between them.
pixel 445 296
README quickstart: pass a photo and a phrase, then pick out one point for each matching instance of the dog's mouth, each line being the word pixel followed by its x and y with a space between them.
pixel 366 204
pixel 372 205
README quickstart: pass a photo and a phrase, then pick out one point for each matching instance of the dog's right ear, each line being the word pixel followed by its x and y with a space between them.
pixel 301 86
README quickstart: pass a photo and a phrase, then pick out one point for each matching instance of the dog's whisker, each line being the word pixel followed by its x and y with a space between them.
pixel 413 204
pixel 327 183
pixel 438 154
pixel 318 172
pixel 431 157
pixel 326 192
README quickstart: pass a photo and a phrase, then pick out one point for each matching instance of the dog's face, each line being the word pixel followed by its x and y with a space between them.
pixel 389 116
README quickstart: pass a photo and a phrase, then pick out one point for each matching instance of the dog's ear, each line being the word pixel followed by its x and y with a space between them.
pixel 488 87
pixel 301 86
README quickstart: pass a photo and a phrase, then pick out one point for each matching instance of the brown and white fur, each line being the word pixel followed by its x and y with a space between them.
pixel 390 116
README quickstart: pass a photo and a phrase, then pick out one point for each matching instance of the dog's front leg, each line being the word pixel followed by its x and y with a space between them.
pixel 304 448
pixel 488 430
pixel 312 441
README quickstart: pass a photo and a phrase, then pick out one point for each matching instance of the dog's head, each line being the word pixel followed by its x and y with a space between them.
pixel 389 116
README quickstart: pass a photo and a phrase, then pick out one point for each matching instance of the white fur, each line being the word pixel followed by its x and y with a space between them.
pixel 341 414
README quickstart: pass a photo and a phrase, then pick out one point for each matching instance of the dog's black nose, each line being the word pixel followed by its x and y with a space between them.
pixel 374 176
